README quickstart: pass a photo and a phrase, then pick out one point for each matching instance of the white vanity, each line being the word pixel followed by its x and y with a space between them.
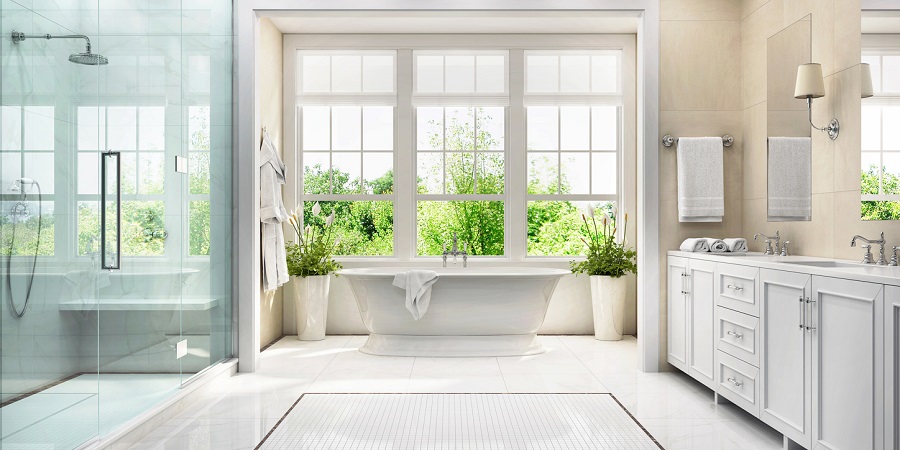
pixel 805 344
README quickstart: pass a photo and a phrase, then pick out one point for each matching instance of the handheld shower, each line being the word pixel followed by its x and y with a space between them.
pixel 19 212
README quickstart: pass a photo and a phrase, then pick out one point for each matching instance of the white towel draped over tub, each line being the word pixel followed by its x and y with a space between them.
pixel 417 284
pixel 701 188
pixel 271 214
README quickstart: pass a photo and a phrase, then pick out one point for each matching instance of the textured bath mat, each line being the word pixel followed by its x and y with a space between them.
pixel 457 421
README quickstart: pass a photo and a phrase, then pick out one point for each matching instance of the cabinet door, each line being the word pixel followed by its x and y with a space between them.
pixel 677 313
pixel 845 323
pixel 785 354
pixel 702 321
pixel 891 363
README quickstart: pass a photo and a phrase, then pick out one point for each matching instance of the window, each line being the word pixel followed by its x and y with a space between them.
pixel 198 180
pixel 345 105
pixel 880 174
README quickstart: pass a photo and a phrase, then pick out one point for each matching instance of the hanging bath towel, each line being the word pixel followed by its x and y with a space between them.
pixel 271 214
pixel 701 189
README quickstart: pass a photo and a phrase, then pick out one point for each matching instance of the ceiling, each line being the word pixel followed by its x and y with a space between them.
pixel 450 22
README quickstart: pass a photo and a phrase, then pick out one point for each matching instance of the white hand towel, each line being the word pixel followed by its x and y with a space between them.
pixel 716 245
pixel 790 178
pixel 694 245
pixel 736 244
pixel 417 284
pixel 701 189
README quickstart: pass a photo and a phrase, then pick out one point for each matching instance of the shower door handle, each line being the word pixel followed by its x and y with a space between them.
pixel 106 159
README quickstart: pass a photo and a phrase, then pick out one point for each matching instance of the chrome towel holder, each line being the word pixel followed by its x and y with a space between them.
pixel 668 140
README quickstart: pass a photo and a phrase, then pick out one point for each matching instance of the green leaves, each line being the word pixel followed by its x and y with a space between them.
pixel 605 256
pixel 312 255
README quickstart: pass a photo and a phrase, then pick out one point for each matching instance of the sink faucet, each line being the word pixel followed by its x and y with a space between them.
pixel 867 258
pixel 768 240
pixel 455 251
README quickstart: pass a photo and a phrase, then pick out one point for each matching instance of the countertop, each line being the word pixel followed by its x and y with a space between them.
pixel 871 273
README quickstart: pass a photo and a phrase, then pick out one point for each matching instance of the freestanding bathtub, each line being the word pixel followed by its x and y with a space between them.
pixel 473 311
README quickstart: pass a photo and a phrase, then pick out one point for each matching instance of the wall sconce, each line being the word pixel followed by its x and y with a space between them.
pixel 810 85
pixel 866 90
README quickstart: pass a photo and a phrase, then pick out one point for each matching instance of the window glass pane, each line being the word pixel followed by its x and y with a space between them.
pixel 556 228
pixel 39 126
pixel 430 173
pixel 543 173
pixel 460 73
pixel 604 128
pixel 575 128
pixel 378 73
pixel 346 73
pixel 153 128
pixel 199 172
pixel 88 173
pixel 576 175
pixel 460 128
pixel 604 73
pixel 199 228
pixel 490 174
pixel 91 128
pixel 345 128
pixel 871 127
pixel 361 228
pixel 378 173
pixel 24 218
pixel 429 73
pixel 378 128
pixel 316 128
pixel 122 128
pixel 890 74
pixel 890 178
pixel 478 224
pixel 316 74
pixel 891 137
pixel 460 168
pixel 40 167
pixel 11 165
pixel 574 73
pixel 143 228
pixel 871 173
pixel 10 128
pixel 882 210
pixel 316 167
pixel 491 73
pixel 542 73
pixel 604 168
pixel 346 172
pixel 89 228
pixel 491 128
pixel 198 128
pixel 543 128
pixel 151 173
pixel 430 128
pixel 129 173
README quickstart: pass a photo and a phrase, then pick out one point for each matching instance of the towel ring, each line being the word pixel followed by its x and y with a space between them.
pixel 668 140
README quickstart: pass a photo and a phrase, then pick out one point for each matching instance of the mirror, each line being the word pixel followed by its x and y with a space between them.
pixel 880 133
pixel 790 143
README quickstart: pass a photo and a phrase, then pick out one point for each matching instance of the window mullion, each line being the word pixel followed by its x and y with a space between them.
pixel 404 161
pixel 516 160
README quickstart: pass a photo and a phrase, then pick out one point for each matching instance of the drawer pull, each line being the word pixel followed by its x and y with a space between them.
pixel 736 335
pixel 734 381
pixel 735 288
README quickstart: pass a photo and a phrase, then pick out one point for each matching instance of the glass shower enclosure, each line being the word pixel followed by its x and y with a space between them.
pixel 115 210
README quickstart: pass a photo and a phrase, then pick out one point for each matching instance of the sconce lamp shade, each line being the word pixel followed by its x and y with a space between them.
pixel 866 89
pixel 810 83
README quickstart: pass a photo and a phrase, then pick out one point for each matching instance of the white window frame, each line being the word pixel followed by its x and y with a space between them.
pixel 881 45
pixel 516 165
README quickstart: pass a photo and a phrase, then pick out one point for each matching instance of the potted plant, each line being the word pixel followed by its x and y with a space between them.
pixel 310 263
pixel 606 262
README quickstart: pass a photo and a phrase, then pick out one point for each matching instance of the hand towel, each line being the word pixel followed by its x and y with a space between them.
pixel 716 245
pixel 701 189
pixel 417 284
pixel 736 245
pixel 790 178
pixel 698 245
pixel 271 214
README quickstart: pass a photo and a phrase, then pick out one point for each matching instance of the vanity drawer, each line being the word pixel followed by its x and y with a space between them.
pixel 737 334
pixel 736 288
pixel 738 382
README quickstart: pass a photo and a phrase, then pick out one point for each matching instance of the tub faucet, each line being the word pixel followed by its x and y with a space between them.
pixel 768 240
pixel 455 251
pixel 867 258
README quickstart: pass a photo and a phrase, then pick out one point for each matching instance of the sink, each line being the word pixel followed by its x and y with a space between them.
pixel 825 264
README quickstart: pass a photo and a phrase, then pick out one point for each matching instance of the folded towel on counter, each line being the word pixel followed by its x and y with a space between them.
pixel 701 188
pixel 736 245
pixel 790 178
pixel 716 245
pixel 417 284
pixel 694 245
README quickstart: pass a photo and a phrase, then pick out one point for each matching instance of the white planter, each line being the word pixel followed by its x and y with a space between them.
pixel 311 306
pixel 608 300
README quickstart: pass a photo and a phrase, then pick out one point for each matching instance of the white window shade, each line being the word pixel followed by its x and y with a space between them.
pixel 461 78
pixel 573 77
pixel 346 77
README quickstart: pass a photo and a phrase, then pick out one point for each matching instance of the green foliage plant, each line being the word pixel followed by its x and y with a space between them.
pixel 605 255
pixel 312 255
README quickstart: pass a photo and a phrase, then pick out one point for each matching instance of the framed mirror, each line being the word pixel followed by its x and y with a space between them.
pixel 789 156
pixel 880 133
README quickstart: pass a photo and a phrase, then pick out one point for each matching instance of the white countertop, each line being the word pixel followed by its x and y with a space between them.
pixel 862 272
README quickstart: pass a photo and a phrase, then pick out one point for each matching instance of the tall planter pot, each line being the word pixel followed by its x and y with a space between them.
pixel 608 301
pixel 311 306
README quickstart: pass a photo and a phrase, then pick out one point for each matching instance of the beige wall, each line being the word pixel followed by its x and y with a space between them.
pixel 700 95
pixel 270 82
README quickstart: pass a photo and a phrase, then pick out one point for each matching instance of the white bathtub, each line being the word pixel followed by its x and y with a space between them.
pixel 473 311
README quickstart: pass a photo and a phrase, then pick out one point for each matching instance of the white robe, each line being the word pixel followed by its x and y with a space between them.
pixel 271 214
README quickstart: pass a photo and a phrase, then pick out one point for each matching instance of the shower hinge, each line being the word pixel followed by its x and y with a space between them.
pixel 181 165
pixel 181 349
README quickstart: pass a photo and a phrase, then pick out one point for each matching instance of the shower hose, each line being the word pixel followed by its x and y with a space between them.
pixel 12 244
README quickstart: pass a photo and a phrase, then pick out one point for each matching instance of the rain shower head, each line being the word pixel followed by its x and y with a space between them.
pixel 86 58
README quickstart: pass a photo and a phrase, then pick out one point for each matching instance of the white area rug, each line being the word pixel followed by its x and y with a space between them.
pixel 457 421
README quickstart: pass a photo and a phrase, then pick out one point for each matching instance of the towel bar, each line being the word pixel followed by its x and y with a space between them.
pixel 668 140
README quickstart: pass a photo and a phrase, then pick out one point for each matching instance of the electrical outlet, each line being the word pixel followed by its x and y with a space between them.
pixel 181 349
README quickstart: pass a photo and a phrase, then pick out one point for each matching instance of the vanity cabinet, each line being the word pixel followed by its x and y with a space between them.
pixel 691 309
pixel 891 366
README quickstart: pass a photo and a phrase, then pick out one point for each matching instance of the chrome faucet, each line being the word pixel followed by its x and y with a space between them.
pixel 784 248
pixel 455 251
pixel 768 240
pixel 867 258
pixel 894 257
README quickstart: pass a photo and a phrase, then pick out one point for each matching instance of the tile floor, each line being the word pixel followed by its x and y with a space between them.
pixel 679 412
